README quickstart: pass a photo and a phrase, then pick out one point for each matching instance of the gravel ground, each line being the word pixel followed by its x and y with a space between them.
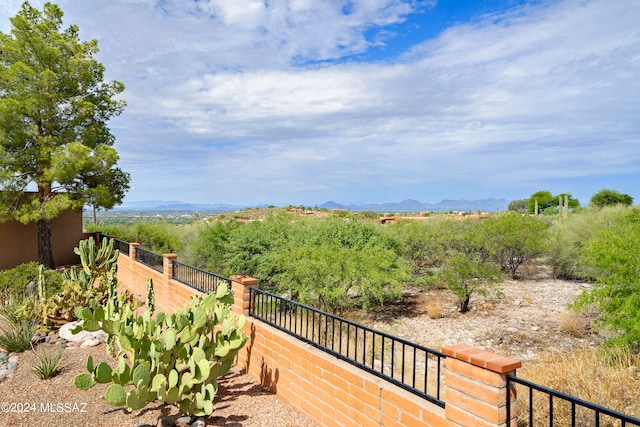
pixel 527 319
pixel 57 402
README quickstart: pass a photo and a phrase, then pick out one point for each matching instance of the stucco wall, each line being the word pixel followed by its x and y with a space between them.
pixel 19 242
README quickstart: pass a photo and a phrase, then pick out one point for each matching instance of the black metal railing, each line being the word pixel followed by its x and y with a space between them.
pixel 538 405
pixel 201 280
pixel 118 244
pixel 408 365
pixel 150 259
pixel 122 246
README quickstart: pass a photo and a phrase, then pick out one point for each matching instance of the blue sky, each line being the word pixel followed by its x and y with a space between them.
pixel 304 101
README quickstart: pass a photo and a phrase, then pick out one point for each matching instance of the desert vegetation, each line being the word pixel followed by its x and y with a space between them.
pixel 355 266
pixel 346 263
pixel 173 358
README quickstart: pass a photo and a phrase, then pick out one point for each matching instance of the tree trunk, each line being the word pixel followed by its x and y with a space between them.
pixel 464 305
pixel 45 250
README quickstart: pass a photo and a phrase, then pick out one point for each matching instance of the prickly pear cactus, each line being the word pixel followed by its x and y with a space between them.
pixel 174 358
pixel 60 308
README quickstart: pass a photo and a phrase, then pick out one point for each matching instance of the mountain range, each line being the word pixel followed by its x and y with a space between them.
pixel 409 205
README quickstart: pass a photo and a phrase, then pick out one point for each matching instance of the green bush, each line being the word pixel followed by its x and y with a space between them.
pixel 16 336
pixel 206 244
pixel 157 236
pixel 249 245
pixel 509 239
pixel 566 240
pixel 467 275
pixel 612 254
pixel 336 264
pixel 46 363
pixel 14 281
pixel 426 245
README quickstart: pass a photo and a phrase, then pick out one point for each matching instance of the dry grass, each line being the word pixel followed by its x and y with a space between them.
pixel 609 378
pixel 574 324
pixel 434 309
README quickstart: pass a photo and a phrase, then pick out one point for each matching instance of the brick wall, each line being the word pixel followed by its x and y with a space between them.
pixel 332 391
pixel 170 295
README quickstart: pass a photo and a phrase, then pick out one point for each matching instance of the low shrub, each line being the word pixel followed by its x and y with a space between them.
pixel 46 363
pixel 16 337
pixel 14 281
pixel 574 324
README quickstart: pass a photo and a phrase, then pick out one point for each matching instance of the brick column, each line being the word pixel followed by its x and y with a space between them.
pixel 477 387
pixel 133 247
pixel 241 286
pixel 167 265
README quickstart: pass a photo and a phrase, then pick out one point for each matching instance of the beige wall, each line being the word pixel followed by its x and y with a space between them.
pixel 19 242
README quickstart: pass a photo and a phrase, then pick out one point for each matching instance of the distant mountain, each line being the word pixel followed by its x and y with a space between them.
pixel 409 205
pixel 161 205
pixel 485 205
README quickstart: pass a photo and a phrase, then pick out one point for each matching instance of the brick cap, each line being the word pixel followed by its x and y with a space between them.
pixel 482 358
pixel 244 280
pixel 170 256
pixel 136 244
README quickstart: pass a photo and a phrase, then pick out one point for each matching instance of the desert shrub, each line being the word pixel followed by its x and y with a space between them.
pixel 16 335
pixel 435 309
pixel 250 244
pixel 156 236
pixel 207 244
pixel 509 239
pixel 14 281
pixel 613 370
pixel 46 362
pixel 468 275
pixel 574 324
pixel 335 264
pixel 566 239
pixel 427 245
pixel 612 254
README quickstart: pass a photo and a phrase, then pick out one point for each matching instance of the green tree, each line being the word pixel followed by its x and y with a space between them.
pixel 520 205
pixel 542 199
pixel 54 109
pixel 548 203
pixel 466 275
pixel 607 197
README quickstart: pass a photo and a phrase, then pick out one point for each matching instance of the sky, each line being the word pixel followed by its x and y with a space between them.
pixel 259 102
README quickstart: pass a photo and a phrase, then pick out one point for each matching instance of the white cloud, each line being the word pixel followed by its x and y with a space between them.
pixel 540 95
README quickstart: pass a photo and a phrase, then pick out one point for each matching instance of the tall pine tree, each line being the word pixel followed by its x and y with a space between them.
pixel 55 147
